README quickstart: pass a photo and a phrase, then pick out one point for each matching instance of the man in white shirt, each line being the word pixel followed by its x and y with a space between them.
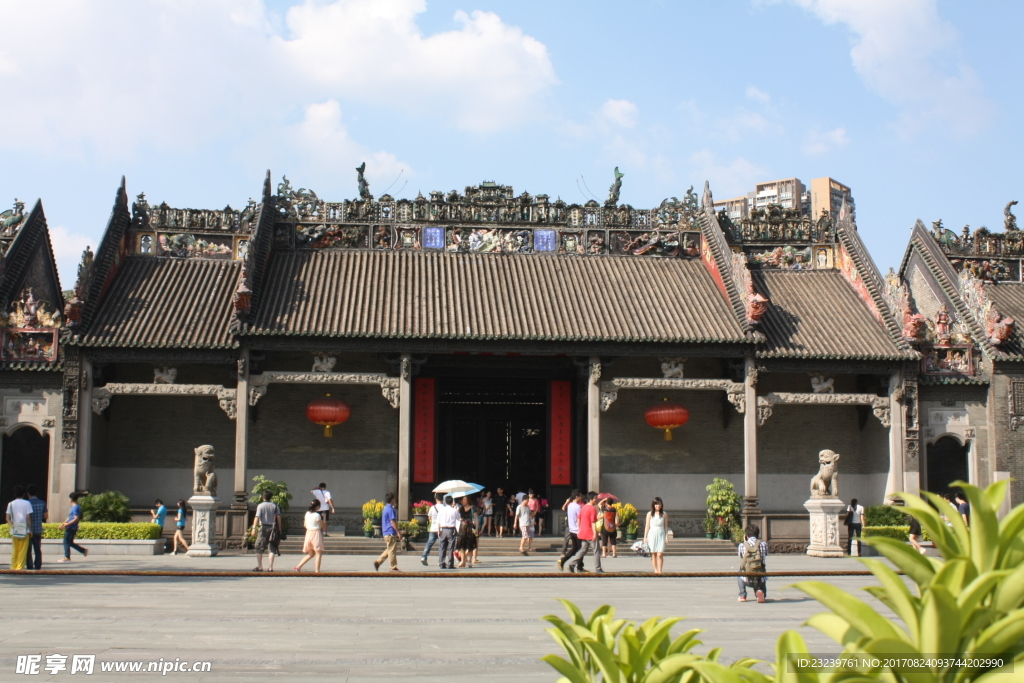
pixel 432 527
pixel 572 510
pixel 19 517
pixel 524 522
pixel 326 504
pixel 447 516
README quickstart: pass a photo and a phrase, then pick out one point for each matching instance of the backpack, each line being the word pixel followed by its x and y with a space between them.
pixel 753 561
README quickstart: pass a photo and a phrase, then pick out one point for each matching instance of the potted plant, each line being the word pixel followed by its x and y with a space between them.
pixel 709 525
pixel 410 530
pixel 368 528
pixel 627 514
pixel 632 529
pixel 419 512
pixel 722 531
pixel 723 504
pixel 373 510
pixel 280 495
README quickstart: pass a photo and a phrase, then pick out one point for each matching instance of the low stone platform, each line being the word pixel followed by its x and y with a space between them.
pixel 55 547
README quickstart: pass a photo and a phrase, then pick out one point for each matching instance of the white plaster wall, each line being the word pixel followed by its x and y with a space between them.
pixel 778 492
pixel 142 485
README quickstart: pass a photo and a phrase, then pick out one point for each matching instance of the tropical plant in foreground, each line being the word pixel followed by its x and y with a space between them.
pixel 967 606
pixel 616 651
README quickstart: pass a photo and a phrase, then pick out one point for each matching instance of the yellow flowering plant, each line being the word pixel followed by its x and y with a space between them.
pixel 373 509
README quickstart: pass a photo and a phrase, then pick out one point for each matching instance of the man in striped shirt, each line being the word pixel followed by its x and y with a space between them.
pixel 754 547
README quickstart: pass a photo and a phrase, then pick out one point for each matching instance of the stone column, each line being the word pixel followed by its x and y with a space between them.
pixel 404 435
pixel 894 482
pixel 750 495
pixel 594 425
pixel 204 520
pixel 242 433
pixel 85 416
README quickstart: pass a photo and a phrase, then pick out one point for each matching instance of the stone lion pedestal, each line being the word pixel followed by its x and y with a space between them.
pixel 825 514
pixel 204 518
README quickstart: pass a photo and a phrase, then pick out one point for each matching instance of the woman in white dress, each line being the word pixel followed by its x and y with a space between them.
pixel 314 543
pixel 655 533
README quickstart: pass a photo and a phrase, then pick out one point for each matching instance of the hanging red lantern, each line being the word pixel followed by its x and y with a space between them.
pixel 328 412
pixel 667 416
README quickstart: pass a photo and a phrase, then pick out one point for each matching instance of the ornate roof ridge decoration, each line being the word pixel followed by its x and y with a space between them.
pixel 776 224
pixel 163 217
pixel 849 240
pixel 927 247
pixel 998 328
pixel 100 272
pixel 11 221
pixel 254 264
pixel 718 258
pixel 982 243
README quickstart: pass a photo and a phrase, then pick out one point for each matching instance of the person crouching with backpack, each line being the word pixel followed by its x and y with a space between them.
pixel 752 554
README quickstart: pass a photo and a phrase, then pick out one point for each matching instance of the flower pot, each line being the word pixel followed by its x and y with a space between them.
pixel 630 537
pixel 709 534
pixel 368 534
pixel 422 520
pixel 723 536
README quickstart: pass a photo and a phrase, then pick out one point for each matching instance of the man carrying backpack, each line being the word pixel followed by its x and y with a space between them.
pixel 752 553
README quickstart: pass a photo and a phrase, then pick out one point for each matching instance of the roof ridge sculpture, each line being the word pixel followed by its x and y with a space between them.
pixel 96 275
pixel 849 238
pixel 248 293
pixel 729 272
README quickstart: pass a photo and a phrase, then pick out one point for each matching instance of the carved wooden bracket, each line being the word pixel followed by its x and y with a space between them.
pixel 225 396
pixel 879 404
pixel 734 390
pixel 389 386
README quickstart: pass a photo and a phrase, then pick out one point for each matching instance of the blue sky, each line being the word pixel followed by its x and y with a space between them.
pixel 913 103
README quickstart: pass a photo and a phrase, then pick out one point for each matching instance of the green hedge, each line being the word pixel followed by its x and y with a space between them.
pixel 885 515
pixel 900 533
pixel 99 531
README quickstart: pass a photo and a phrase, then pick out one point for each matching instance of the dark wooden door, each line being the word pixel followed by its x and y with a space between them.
pixel 26 460
pixel 947 462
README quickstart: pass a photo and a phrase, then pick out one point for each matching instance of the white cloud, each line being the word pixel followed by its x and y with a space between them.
pixel 758 94
pixel 819 142
pixel 111 78
pixel 486 74
pixel 619 113
pixel 727 179
pixel 67 251
pixel 909 55
pixel 329 150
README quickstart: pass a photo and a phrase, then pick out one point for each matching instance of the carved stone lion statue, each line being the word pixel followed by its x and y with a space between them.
pixel 164 375
pixel 205 475
pixel 825 483
pixel 821 384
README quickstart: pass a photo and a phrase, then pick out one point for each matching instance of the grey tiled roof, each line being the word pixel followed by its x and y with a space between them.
pixel 818 314
pixel 161 302
pixel 440 295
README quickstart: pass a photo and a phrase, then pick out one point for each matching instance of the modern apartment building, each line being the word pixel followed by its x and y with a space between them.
pixel 824 193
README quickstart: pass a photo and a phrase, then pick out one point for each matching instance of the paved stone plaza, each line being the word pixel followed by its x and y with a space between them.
pixel 376 628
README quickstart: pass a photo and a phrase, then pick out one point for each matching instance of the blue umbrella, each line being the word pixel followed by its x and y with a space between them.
pixel 470 489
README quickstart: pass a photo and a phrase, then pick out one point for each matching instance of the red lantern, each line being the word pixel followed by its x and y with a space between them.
pixel 328 412
pixel 667 416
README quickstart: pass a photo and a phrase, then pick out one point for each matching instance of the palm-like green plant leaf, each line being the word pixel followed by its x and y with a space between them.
pixel 859 614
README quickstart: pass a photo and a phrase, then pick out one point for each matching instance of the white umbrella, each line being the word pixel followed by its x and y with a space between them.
pixel 452 485
pixel 469 490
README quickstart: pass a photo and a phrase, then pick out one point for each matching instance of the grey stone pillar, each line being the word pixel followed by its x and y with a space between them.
pixel 594 425
pixel 750 495
pixel 894 482
pixel 242 433
pixel 404 435
pixel 85 416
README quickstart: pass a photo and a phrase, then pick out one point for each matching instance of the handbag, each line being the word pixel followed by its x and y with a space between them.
pixel 641 549
pixel 849 518
pixel 19 530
